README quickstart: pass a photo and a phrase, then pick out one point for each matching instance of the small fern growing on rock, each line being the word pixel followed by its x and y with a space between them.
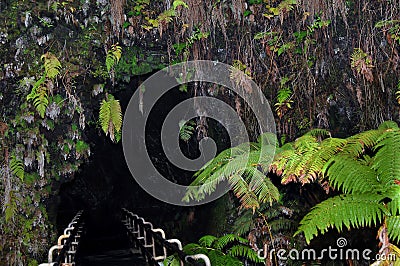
pixel 113 56
pixel 110 117
pixel 17 167
pixel 52 65
pixel 39 93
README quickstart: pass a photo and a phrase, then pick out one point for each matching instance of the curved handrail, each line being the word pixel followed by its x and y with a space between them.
pixel 145 237
pixel 67 243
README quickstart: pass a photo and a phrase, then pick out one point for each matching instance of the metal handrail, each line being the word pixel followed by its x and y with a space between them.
pixel 145 238
pixel 67 243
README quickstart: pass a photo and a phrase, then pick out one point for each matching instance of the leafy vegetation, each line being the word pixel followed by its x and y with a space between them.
pixel 110 117
pixel 113 56
pixel 229 249
pixel 369 182
pixel 186 130
pixel 242 167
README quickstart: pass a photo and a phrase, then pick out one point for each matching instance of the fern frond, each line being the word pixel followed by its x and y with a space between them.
pixel 243 223
pixel 186 130
pixel 113 56
pixel 223 241
pixel 282 225
pixel 262 186
pixel 319 133
pixel 39 97
pixel 110 116
pixel 393 227
pixel 207 240
pixel 394 204
pixel 387 158
pixel 352 176
pixel 248 199
pixel 17 167
pixel 359 143
pixel 327 149
pixel 41 101
pixel 11 206
pixel 52 65
pixel 389 124
pixel 348 210
pixel 105 115
pixel 115 113
pixel 244 252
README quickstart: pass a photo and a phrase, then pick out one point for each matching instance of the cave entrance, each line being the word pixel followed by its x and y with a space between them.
pixel 104 184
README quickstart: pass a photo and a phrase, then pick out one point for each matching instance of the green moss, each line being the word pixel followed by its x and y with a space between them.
pixel 81 147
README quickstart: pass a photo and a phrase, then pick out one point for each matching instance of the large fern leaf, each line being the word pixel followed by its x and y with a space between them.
pixel 393 227
pixel 348 210
pixel 352 176
pixel 387 159
pixel 238 165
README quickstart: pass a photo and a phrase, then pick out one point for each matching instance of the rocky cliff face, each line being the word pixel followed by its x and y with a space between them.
pixel 332 64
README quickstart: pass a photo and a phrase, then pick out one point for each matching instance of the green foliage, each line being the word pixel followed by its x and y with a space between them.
pixel 81 147
pixel 186 130
pixel 229 249
pixel 393 28
pixel 11 206
pixel 283 7
pixel 242 167
pixel 366 169
pixel 362 63
pixel 17 167
pixel 113 56
pixel 304 159
pixel 398 92
pixel 52 65
pixel 39 93
pixel 165 17
pixel 110 116
pixel 39 97
pixel 283 98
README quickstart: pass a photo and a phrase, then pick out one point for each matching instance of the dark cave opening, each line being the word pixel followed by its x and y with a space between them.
pixel 104 184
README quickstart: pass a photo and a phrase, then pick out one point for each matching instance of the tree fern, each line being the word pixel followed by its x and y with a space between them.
pixel 17 167
pixel 367 169
pixel 110 116
pixel 242 167
pixel 113 56
pixel 348 210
